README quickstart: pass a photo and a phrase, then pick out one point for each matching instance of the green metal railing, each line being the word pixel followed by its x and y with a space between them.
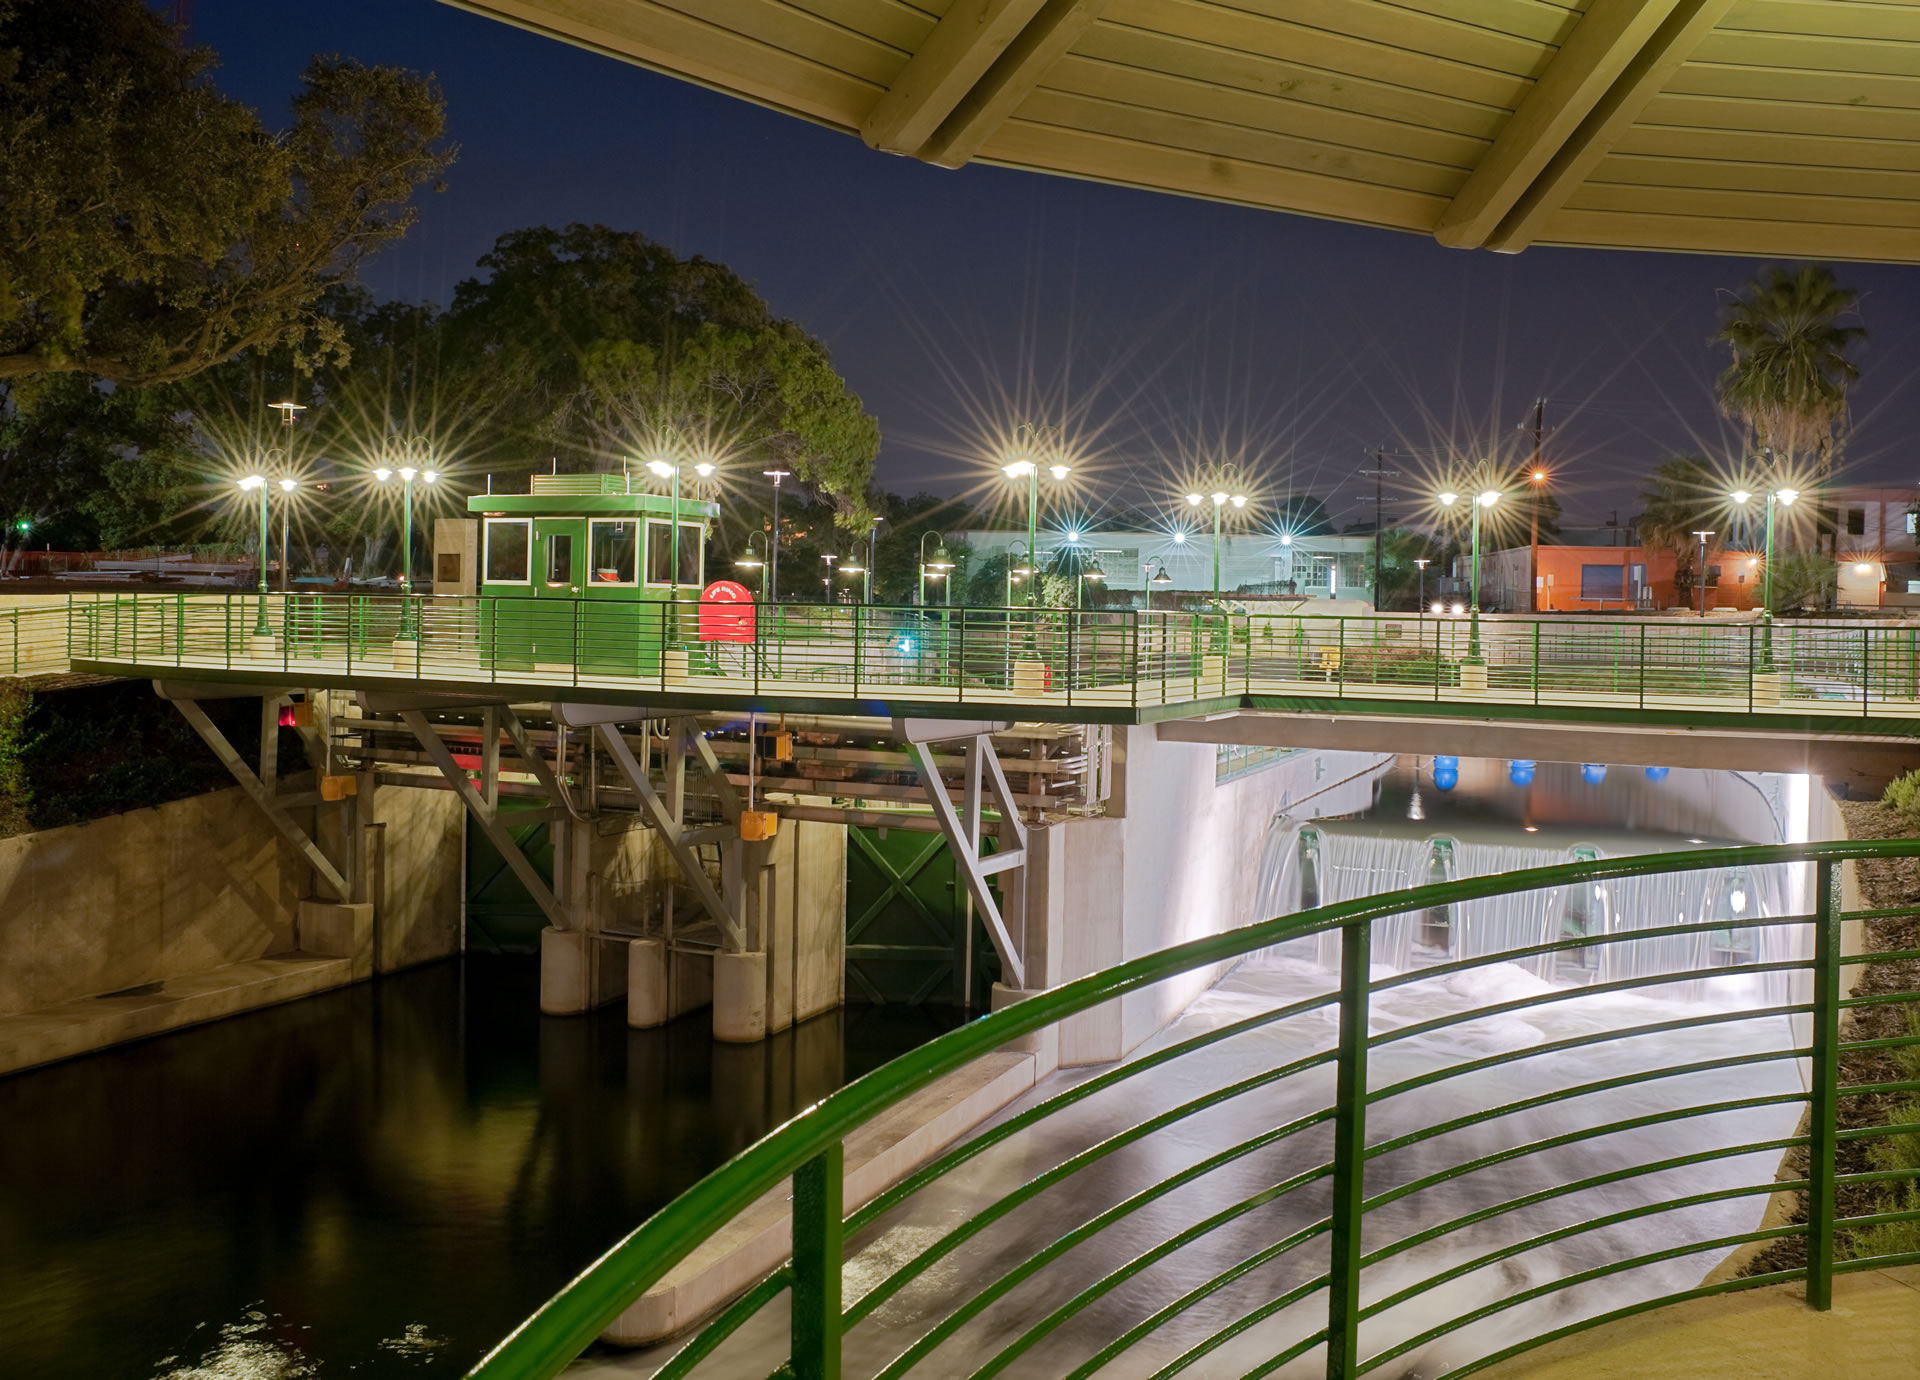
pixel 808 1150
pixel 1107 662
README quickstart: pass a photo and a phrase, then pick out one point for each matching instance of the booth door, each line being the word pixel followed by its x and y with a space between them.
pixel 559 570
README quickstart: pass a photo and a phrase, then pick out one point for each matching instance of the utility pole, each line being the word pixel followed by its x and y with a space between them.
pixel 1378 473
pixel 1537 478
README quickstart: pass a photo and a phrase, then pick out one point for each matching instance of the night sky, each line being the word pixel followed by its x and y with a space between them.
pixel 1153 329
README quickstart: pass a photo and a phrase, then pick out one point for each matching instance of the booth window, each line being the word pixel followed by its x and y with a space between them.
pixel 613 553
pixel 560 558
pixel 660 552
pixel 508 541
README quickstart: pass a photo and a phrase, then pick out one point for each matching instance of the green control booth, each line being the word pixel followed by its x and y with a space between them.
pixel 581 571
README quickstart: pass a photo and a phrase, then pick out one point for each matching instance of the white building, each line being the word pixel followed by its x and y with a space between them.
pixel 1326 567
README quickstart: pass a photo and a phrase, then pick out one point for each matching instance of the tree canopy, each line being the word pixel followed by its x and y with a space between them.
pixel 1791 366
pixel 151 227
pixel 1682 497
pixel 602 346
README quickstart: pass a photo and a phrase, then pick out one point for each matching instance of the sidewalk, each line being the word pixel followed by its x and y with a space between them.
pixel 1872 1333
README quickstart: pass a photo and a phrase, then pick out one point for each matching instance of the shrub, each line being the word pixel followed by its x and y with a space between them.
pixel 16 791
pixel 1903 794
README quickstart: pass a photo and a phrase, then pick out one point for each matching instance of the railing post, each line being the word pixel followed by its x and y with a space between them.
pixel 1643 665
pixel 1536 661
pixel 816 1266
pixel 1823 1114
pixel 1134 665
pixel 1349 1154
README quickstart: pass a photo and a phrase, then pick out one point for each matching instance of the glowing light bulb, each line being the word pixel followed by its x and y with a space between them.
pixel 1448 500
pixel 1787 496
pixel 1740 496
pixel 1059 471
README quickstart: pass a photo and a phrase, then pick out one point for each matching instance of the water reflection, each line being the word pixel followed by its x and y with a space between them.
pixel 380 1180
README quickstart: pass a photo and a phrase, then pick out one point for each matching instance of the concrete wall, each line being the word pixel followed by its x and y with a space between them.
pixel 197 900
pixel 1177 857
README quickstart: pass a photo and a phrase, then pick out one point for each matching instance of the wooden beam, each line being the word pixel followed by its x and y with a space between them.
pixel 1054 29
pixel 962 46
pixel 1610 35
pixel 1687 24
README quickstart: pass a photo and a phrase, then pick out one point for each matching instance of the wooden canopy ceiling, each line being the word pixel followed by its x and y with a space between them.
pixel 1775 127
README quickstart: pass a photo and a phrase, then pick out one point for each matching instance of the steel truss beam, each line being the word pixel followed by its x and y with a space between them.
pixel 666 812
pixel 262 789
pixel 962 828
pixel 484 805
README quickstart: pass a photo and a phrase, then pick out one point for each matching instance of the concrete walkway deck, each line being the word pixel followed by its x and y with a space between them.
pixel 1872 1333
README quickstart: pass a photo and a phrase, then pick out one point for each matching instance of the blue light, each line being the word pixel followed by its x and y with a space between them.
pixel 1520 771
pixel 1446 778
pixel 1593 773
pixel 1451 763
pixel 1657 773
pixel 905 645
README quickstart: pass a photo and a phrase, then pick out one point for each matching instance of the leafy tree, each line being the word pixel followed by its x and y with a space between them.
pixel 1682 497
pixel 90 467
pixel 16 789
pixel 605 346
pixel 151 227
pixel 1791 369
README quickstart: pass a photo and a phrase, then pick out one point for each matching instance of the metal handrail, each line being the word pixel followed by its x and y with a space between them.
pixel 1095 659
pixel 808 1148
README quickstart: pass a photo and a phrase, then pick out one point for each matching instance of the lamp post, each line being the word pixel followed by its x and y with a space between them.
pixel 851 566
pixel 1092 572
pixel 287 487
pixel 257 483
pixel 826 581
pixel 749 561
pixel 935 567
pixel 1028 468
pixel 1785 499
pixel 1156 577
pixel 1702 576
pixel 407 475
pixel 772 581
pixel 670 469
pixel 1420 563
pixel 873 558
pixel 1486 498
pixel 1222 495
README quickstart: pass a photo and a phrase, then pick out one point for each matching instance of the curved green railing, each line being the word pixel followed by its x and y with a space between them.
pixel 808 1149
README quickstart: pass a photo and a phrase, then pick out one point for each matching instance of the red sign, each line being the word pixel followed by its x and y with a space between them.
pixel 726 612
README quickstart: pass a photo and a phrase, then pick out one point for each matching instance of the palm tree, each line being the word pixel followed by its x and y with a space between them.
pixel 1681 497
pixel 1790 372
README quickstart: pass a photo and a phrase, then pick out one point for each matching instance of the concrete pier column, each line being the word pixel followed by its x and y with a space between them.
pixel 647 992
pixel 740 997
pixel 338 929
pixel 1043 1044
pixel 580 971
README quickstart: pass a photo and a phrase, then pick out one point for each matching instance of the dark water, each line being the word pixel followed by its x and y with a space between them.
pixel 380 1181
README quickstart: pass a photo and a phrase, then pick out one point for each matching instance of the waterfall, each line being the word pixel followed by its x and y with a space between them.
pixel 1303 865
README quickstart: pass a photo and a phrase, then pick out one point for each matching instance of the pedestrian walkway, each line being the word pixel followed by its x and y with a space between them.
pixel 1871 1333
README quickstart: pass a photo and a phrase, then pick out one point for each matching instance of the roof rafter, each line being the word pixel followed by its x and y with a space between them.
pixel 1610 39
pixel 1609 122
pixel 962 46
pixel 1008 81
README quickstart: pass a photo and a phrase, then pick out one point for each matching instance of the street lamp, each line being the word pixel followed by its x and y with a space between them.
pixel 873 557
pixel 1538 478
pixel 1221 497
pixel 1028 468
pixel 1015 573
pixel 935 567
pixel 1702 577
pixel 407 474
pixel 287 487
pixel 1420 562
pixel 1486 498
pixel 1093 572
pixel 257 483
pixel 851 566
pixel 1156 577
pixel 773 552
pixel 670 469
pixel 826 581
pixel 1784 498
pixel 749 561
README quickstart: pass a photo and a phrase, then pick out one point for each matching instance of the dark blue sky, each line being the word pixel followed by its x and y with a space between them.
pixel 958 303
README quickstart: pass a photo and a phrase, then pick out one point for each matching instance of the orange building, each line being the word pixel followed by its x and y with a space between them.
pixel 1593 579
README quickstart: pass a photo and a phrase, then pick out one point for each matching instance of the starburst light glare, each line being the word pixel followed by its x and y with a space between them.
pixel 1196 499
pixel 1787 496
pixel 1740 496
pixel 660 468
pixel 1059 471
pixel 1448 500
pixel 252 481
pixel 383 475
pixel 1019 469
pixel 287 486
pixel 1488 497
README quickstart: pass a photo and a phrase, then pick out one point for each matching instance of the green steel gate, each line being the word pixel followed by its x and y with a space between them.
pixel 907 922
pixel 501 917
